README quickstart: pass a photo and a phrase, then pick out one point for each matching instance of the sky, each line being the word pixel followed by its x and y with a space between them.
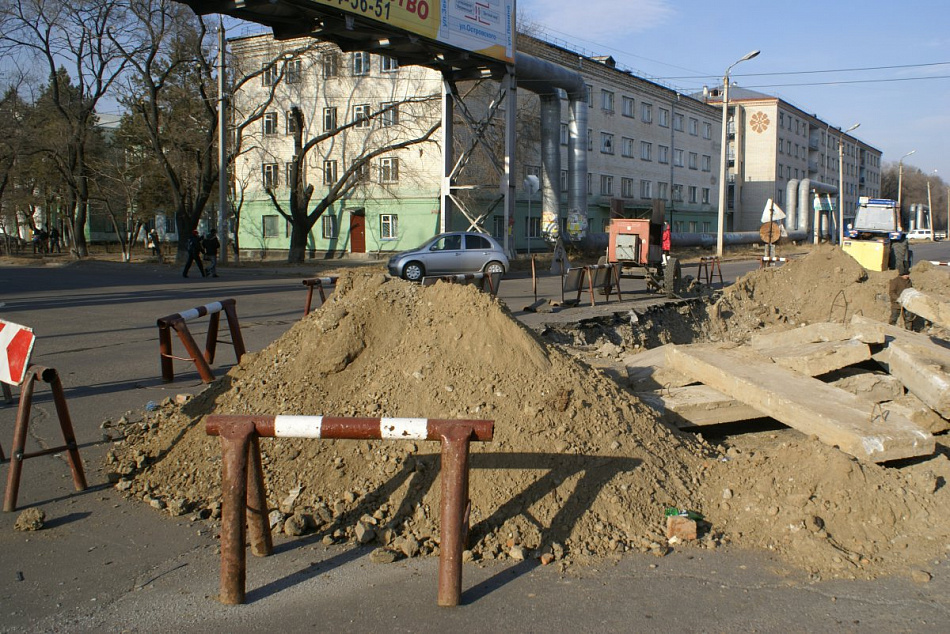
pixel 882 64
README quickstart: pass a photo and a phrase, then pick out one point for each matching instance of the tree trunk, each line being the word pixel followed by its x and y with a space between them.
pixel 298 246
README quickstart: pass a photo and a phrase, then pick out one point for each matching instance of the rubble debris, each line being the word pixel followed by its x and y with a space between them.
pixel 32 519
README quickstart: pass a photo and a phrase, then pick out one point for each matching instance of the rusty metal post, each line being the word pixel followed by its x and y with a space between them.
pixel 204 370
pixel 258 529
pixel 165 352
pixel 211 341
pixel 534 278
pixel 19 441
pixel 230 312
pixel 235 441
pixel 306 307
pixel 51 376
pixel 455 443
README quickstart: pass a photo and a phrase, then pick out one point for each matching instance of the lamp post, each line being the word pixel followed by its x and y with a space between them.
pixel 722 161
pixel 930 209
pixel 223 214
pixel 900 184
pixel 841 183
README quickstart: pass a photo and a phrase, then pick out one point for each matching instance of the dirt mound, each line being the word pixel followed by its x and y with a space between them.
pixel 575 462
pixel 579 467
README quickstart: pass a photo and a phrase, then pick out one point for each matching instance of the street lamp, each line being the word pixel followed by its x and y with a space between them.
pixel 841 183
pixel 725 138
pixel 900 183
pixel 930 209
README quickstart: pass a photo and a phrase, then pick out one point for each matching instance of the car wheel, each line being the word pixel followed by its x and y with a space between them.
pixel 495 267
pixel 414 271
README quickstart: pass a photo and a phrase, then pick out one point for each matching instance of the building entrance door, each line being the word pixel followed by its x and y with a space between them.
pixel 357 231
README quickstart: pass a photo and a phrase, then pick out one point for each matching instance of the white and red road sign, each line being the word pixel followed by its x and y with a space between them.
pixel 16 346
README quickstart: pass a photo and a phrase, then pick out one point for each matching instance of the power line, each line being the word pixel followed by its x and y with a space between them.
pixel 814 72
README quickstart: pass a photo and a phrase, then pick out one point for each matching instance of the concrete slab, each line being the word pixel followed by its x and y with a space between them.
pixel 821 357
pixel 836 417
pixel 814 333
pixel 647 371
pixel 923 371
pixel 917 411
pixel 876 387
pixel 698 406
pixel 927 306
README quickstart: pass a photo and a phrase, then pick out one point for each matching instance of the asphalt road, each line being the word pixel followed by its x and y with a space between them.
pixel 107 564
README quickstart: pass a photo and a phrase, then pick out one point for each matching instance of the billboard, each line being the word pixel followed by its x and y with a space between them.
pixel 485 27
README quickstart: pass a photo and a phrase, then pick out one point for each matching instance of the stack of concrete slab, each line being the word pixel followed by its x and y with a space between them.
pixel 877 392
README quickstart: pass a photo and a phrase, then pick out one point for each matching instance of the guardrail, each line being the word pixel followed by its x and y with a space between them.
pixel 202 360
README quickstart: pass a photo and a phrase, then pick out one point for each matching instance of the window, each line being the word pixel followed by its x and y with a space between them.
pixel 532 229
pixel 390 114
pixel 269 122
pixel 781 119
pixel 694 126
pixel 360 171
pixel 607 100
pixel 388 226
pixel 678 122
pixel 626 147
pixel 330 65
pixel 646 189
pixel 662 190
pixel 564 181
pixel 388 64
pixel 677 193
pixel 291 126
pixel 590 96
pixel 361 63
pixel 692 194
pixel 294 71
pixel 329 119
pixel 289 174
pixel 269 74
pixel 707 130
pixel 663 154
pixel 628 107
pixel 626 187
pixel 606 143
pixel 330 172
pixel 646 151
pixel 389 170
pixel 497 226
pixel 330 227
pixel 270 226
pixel 532 170
pixel 707 226
pixel 565 134
pixel 678 157
pixel 646 112
pixel 663 118
pixel 606 185
pixel 590 140
pixel 693 160
pixel 705 198
pixel 270 175
pixel 781 146
pixel 707 163
pixel 361 114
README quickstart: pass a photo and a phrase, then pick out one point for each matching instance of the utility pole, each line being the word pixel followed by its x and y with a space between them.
pixel 222 150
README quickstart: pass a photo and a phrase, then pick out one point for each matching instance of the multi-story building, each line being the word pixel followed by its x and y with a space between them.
pixel 773 145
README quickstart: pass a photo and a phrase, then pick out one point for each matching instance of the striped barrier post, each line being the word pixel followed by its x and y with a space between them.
pixel 767 261
pixel 20 433
pixel 319 283
pixel 202 360
pixel 492 280
pixel 937 263
pixel 243 496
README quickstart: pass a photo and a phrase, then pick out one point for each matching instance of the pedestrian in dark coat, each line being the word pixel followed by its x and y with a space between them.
pixel 194 254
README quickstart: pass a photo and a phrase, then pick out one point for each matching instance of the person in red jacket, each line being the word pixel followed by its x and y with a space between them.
pixel 667 240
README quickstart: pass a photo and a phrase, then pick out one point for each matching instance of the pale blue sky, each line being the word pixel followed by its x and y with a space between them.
pixel 689 43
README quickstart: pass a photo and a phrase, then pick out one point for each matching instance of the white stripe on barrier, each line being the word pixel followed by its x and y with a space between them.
pixel 936 263
pixel 213 307
pixel 404 428
pixel 298 426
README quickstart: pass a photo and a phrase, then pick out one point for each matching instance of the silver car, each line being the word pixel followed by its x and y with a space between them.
pixel 448 254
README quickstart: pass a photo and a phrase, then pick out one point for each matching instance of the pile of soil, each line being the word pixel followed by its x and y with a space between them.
pixel 578 468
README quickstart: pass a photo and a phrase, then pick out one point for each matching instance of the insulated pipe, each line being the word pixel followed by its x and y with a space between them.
pixel 805 188
pixel 544 78
pixel 791 195
pixel 550 155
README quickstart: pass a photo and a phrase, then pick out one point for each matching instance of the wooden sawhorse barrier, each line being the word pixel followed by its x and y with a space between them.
pixel 202 360
pixel 320 283
pixel 484 281
pixel 244 497
pixel 708 269
pixel 51 377
pixel 594 276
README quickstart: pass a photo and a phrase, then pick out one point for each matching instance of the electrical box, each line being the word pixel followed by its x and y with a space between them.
pixel 629 241
pixel 871 254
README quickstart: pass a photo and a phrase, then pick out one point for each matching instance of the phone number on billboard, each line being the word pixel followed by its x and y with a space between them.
pixel 380 9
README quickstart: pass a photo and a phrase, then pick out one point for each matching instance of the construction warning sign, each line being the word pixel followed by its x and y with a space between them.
pixel 16 346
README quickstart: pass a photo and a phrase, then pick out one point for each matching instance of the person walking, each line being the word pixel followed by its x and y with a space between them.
pixel 194 254
pixel 667 241
pixel 54 241
pixel 211 246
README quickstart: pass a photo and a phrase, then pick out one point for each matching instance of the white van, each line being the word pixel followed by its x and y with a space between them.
pixel 919 234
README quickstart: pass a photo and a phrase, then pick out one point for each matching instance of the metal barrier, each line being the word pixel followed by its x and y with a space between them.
pixel 937 263
pixel 319 283
pixel 603 276
pixel 767 261
pixel 243 494
pixel 481 280
pixel 202 360
pixel 709 267
pixel 20 433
